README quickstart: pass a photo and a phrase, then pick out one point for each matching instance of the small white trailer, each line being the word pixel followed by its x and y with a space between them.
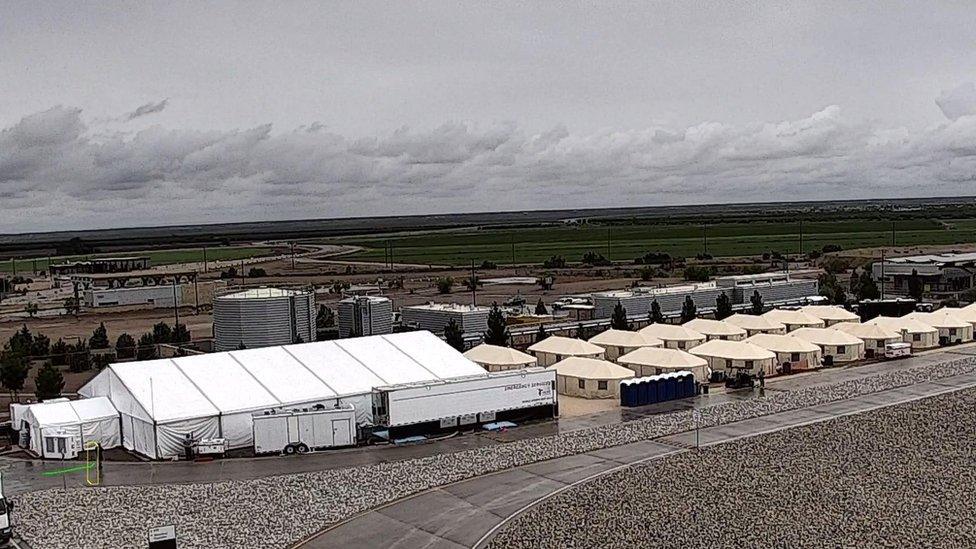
pixel 304 430
pixel 471 400
pixel 898 350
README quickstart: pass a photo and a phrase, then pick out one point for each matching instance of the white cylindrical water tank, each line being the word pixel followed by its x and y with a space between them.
pixel 263 317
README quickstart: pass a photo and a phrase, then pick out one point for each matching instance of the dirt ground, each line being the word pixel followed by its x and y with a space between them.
pixel 574 406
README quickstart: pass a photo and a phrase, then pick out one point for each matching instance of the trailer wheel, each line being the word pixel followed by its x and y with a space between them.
pixel 302 448
pixel 289 450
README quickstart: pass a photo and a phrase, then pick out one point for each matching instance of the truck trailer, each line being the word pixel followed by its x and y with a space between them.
pixel 304 430
pixel 422 408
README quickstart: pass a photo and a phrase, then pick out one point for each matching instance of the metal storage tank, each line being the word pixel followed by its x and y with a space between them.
pixel 365 315
pixel 263 317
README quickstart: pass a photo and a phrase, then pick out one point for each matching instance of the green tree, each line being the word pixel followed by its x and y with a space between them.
pixel 723 306
pixel 147 347
pixel 618 320
pixel 325 318
pixel 41 346
pixel 555 262
pixel 866 287
pixel 581 331
pixel 497 333
pixel 162 333
pixel 541 334
pixel 99 338
pixel 454 335
pixel 14 368
pixel 180 335
pixel 655 315
pixel 31 309
pixel 444 284
pixel 22 341
pixel 60 353
pixel 688 310
pixel 256 272
pixel 916 288
pixel 695 273
pixel 831 289
pixel 757 303
pixel 48 382
pixel 72 306
pixel 79 359
pixel 125 346
pixel 540 308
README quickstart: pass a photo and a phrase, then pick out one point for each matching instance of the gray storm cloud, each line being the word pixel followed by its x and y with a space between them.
pixel 59 171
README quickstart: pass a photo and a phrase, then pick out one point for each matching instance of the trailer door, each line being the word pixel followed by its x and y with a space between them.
pixel 293 436
pixel 306 432
pixel 341 432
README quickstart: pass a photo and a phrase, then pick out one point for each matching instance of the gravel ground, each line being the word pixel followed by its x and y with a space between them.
pixel 286 508
pixel 902 476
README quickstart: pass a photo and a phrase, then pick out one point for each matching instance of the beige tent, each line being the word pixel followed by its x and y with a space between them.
pixel 919 334
pixel 733 356
pixel 494 358
pixel 952 329
pixel 555 348
pixel 589 377
pixel 649 361
pixel 875 337
pixel 967 313
pixel 793 319
pixel 716 329
pixel 800 354
pixel 673 336
pixel 838 345
pixel 619 342
pixel 830 314
pixel 756 324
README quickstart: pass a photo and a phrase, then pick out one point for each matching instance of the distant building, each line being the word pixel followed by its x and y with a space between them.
pixel 365 315
pixel 942 275
pixel 435 316
pixel 101 265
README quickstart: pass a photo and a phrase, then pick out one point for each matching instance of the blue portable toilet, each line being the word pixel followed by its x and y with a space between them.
pixel 633 396
pixel 624 394
pixel 641 391
pixel 658 388
pixel 670 384
pixel 689 383
pixel 679 385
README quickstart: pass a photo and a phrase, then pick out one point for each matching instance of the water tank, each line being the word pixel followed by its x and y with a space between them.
pixel 263 317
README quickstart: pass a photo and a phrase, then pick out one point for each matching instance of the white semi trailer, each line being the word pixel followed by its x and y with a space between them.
pixel 413 408
pixel 301 431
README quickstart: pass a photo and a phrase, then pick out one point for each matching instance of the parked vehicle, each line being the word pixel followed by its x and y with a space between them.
pixel 304 430
pixel 898 350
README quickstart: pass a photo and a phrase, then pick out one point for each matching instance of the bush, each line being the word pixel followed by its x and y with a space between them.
pixel 444 284
pixel 831 248
pixel 256 272
pixel 125 346
pixel 695 273
pixel 653 258
pixel 488 265
pixel 229 273
pixel 596 260
pixel 555 262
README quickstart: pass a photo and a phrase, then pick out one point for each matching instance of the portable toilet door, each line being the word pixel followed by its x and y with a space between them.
pixel 656 389
pixel 670 384
pixel 640 392
pixel 633 393
pixel 624 392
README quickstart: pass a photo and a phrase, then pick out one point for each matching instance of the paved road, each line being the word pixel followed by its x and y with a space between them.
pixel 467 514
pixel 25 475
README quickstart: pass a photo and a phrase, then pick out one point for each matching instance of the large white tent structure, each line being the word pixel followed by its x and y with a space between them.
pixel 60 428
pixel 830 314
pixel 731 356
pixel 650 361
pixel 875 337
pixel 794 319
pixel 215 395
pixel 837 346
pixel 621 342
pixel 952 329
pixel 589 377
pixel 800 354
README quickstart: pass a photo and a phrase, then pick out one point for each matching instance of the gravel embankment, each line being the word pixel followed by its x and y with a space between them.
pixel 286 508
pixel 902 476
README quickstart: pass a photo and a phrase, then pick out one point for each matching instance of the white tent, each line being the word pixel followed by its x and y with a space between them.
pixel 951 328
pixel 830 314
pixel 875 337
pixel 919 334
pixel 60 428
pixel 619 342
pixel 673 336
pixel 799 353
pixel 649 361
pixel 555 348
pixel 589 377
pixel 794 319
pixel 729 356
pixel 716 329
pixel 756 324
pixel 495 358
pixel 839 346
pixel 215 395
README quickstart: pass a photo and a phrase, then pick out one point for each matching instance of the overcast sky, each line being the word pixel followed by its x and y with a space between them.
pixel 115 115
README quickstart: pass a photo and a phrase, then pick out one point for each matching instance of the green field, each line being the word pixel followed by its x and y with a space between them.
pixel 158 257
pixel 534 245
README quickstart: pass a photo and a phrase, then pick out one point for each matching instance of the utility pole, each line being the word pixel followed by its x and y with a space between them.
pixel 513 249
pixel 13 265
pixel 34 267
pixel 882 281
pixel 242 272
pixel 705 239
pixel 892 233
pixel 801 236
pixel 176 306
pixel 609 241
pixel 204 259
pixel 474 287
pixel 293 256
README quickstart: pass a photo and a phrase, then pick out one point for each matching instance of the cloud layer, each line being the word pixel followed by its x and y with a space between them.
pixel 59 171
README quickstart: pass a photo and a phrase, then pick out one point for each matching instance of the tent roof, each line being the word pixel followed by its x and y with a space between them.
pixel 71 412
pixel 867 331
pixel 940 319
pixel 714 327
pixel 672 332
pixel 624 338
pixel 786 316
pixel 967 313
pixel 830 312
pixel 498 356
pixel 662 358
pixel 590 368
pixel 779 343
pixel 735 350
pixel 567 346
pixel 826 336
pixel 251 379
pixel 910 325
pixel 754 322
